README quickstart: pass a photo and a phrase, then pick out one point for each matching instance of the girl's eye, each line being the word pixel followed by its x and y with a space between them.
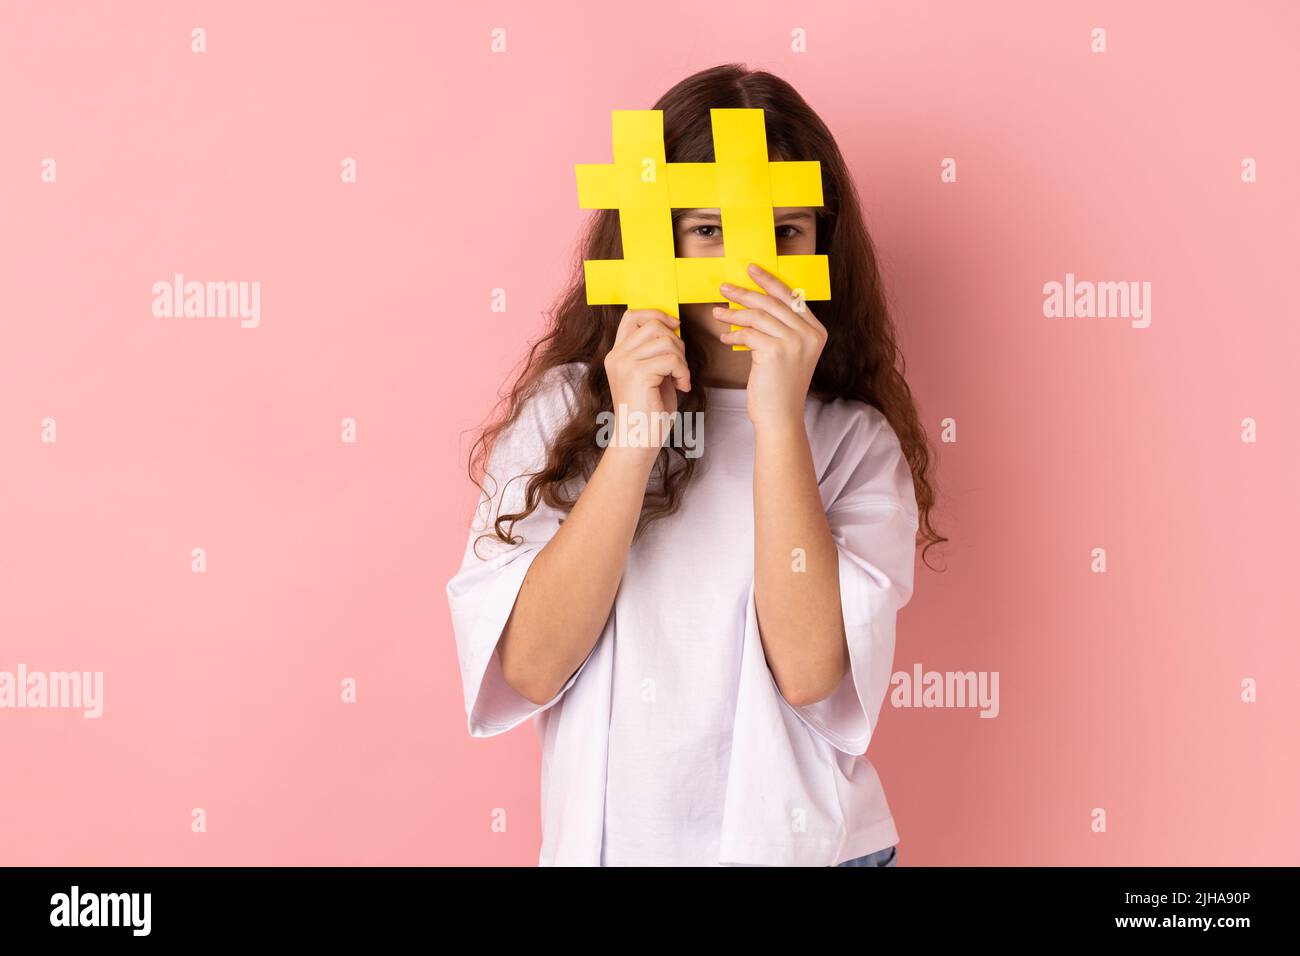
pixel 714 232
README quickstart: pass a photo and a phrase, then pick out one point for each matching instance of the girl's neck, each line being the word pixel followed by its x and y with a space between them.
pixel 726 369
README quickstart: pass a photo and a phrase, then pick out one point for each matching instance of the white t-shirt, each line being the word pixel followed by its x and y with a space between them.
pixel 671 744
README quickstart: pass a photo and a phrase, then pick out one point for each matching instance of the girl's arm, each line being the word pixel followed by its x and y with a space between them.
pixel 796 562
pixel 796 568
pixel 566 596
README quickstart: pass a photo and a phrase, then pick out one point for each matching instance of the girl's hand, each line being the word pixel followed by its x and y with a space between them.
pixel 646 367
pixel 786 340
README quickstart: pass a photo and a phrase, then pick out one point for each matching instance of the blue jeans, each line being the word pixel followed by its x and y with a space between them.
pixel 886 857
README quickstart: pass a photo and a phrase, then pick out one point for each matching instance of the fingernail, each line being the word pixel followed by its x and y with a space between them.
pixel 727 287
pixel 754 268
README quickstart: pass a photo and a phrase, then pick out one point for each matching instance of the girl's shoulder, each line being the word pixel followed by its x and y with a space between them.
pixel 553 397
pixel 561 382
pixel 842 421
pixel 537 415
pixel 865 465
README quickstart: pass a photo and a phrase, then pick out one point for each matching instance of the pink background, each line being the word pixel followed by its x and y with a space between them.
pixel 328 560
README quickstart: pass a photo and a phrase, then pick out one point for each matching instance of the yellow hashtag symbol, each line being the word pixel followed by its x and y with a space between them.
pixel 742 184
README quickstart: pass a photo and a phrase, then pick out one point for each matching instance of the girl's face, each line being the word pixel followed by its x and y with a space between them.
pixel 698 232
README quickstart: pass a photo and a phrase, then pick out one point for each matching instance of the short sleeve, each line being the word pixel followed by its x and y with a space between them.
pixel 482 593
pixel 873 519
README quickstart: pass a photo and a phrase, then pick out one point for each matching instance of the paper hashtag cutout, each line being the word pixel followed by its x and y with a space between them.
pixel 742 184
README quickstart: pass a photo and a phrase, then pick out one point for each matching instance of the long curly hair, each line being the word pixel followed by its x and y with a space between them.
pixel 861 360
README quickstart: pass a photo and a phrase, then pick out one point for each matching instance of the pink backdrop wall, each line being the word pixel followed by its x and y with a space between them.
pixel 326 560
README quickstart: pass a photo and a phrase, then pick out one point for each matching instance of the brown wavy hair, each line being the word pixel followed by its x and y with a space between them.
pixel 861 362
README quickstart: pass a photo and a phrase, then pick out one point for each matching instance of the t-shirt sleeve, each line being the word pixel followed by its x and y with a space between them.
pixel 482 593
pixel 873 519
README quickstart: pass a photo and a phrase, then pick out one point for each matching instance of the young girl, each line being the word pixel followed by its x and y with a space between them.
pixel 703 630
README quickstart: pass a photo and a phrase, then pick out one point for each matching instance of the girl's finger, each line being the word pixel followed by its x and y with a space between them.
pixel 649 330
pixel 674 367
pixel 653 316
pixel 750 338
pixel 774 286
pixel 659 345
pixel 642 316
pixel 634 319
pixel 753 318
pixel 761 300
